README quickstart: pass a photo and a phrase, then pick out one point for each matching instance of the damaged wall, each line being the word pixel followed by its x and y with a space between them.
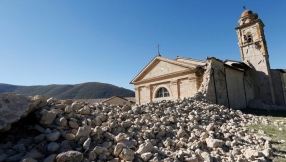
pixel 239 88
pixel 226 86
pixel 278 87
pixel 214 85
pixel 263 88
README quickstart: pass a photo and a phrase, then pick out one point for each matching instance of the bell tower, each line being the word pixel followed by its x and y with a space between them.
pixel 253 51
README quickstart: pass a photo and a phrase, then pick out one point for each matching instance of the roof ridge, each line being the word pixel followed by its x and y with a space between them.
pixel 186 58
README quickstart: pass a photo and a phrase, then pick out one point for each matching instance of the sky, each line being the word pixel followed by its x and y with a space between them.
pixel 110 41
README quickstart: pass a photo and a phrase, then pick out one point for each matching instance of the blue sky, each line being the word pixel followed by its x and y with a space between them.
pixel 70 41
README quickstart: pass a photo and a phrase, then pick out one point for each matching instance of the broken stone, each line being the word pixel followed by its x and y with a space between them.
pixel 86 144
pixel 13 158
pixel 118 148
pixel 47 117
pixel 159 131
pixel 53 146
pixel 39 138
pixel 83 131
pixel 143 148
pixel 73 124
pixel 84 111
pixel 181 133
pixel 53 136
pixel 50 158
pixel 70 156
pixel 214 143
pixel 120 137
pixel 35 154
pixel 146 156
pixel 29 160
pixel 127 154
pixel 61 121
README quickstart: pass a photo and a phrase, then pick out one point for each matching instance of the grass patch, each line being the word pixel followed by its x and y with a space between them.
pixel 278 120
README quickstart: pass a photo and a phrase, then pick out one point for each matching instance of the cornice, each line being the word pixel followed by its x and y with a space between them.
pixel 166 76
pixel 250 23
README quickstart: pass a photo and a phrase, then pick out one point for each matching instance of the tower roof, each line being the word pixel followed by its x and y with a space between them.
pixel 247 17
pixel 246 13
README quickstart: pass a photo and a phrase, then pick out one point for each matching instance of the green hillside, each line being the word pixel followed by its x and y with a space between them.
pixel 78 91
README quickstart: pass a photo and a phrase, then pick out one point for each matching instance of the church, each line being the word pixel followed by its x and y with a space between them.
pixel 230 83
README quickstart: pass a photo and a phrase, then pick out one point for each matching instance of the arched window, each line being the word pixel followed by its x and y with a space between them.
pixel 162 92
pixel 247 37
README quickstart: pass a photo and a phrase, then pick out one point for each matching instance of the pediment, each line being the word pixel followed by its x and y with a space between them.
pixel 161 67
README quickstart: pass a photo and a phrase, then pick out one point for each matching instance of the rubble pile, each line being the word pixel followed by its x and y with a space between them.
pixel 188 130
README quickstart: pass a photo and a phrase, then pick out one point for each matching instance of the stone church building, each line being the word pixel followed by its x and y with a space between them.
pixel 230 83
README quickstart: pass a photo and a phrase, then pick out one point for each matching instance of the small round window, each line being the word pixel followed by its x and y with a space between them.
pixel 162 92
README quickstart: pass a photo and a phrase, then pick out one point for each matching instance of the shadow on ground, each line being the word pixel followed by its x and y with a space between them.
pixel 262 112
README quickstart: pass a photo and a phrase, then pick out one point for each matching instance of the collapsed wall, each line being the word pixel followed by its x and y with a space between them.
pixel 227 85
pixel 210 86
pixel 191 129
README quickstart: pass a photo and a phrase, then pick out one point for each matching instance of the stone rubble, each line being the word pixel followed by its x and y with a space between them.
pixel 189 130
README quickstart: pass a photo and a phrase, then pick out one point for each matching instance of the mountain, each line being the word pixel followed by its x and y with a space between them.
pixel 78 91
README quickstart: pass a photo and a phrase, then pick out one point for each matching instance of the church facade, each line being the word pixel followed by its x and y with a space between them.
pixel 230 83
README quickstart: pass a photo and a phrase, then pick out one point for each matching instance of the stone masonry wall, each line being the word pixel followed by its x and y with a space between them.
pixel 225 86
pixel 179 87
pixel 249 87
pixel 214 85
pixel 144 95
pixel 187 87
pixel 239 86
pixel 162 68
pixel 278 86
pixel 261 73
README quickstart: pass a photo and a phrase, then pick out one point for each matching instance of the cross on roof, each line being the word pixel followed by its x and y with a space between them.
pixel 158 46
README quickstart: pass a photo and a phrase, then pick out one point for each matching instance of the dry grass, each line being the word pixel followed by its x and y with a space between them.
pixel 278 120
